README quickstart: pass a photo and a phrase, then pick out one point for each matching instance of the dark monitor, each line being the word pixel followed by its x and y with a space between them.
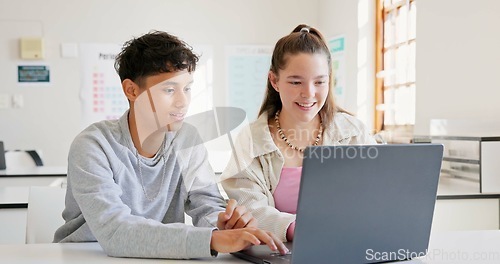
pixel 2 157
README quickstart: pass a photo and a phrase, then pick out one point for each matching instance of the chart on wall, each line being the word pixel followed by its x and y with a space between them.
pixel 247 69
pixel 101 94
pixel 337 49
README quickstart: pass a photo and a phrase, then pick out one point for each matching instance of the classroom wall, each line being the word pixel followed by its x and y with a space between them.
pixel 50 118
pixel 355 20
pixel 458 61
pixel 457 54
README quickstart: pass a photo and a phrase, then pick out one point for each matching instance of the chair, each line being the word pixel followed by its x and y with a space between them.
pixel 45 206
pixel 23 159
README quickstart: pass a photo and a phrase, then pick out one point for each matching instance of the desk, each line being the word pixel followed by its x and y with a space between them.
pixel 34 171
pixel 14 197
pixel 463 247
pixel 445 247
pixel 460 206
pixel 13 213
pixel 15 183
pixel 82 253
pixel 36 176
pixel 14 192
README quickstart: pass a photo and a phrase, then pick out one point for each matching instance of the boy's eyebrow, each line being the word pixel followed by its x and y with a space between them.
pixel 174 83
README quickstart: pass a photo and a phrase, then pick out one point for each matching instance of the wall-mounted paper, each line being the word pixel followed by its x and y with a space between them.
pixel 247 68
pixel 101 94
pixel 337 49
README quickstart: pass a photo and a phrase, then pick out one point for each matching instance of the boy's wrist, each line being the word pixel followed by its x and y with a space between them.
pixel 213 252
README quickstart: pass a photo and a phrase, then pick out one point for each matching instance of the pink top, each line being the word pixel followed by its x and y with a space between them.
pixel 286 194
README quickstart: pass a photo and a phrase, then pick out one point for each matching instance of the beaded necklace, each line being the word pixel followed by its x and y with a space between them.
pixel 284 138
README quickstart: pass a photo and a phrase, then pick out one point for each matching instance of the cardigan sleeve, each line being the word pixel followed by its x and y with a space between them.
pixel 247 179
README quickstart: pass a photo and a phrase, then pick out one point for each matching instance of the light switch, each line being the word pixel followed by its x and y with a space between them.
pixel 69 50
pixel 17 101
pixel 4 101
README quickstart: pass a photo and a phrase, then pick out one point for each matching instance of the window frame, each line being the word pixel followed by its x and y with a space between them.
pixel 403 132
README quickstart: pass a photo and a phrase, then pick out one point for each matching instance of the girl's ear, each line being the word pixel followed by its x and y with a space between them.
pixel 273 79
pixel 130 89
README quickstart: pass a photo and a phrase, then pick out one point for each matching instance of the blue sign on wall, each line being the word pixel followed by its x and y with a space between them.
pixel 33 74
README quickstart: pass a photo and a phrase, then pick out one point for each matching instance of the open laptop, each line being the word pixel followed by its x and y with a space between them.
pixel 362 204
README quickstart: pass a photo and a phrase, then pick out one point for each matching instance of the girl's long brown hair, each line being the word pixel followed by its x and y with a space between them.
pixel 309 41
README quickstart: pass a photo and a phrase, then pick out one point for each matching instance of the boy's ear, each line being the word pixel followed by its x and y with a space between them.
pixel 130 89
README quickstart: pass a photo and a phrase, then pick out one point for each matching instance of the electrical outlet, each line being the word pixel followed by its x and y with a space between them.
pixel 4 101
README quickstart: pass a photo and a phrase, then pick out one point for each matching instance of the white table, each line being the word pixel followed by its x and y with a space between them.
pixel 445 247
pixel 34 171
pixel 14 192
pixel 82 253
pixel 463 247
pixel 35 176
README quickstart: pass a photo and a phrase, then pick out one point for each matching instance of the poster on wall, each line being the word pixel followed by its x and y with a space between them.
pixel 33 74
pixel 247 69
pixel 337 49
pixel 101 93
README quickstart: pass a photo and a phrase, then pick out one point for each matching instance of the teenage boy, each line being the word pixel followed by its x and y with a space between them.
pixel 131 180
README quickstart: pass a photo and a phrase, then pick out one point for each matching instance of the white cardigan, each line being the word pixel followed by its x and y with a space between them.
pixel 255 167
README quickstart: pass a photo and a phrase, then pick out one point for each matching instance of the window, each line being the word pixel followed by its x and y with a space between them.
pixel 395 69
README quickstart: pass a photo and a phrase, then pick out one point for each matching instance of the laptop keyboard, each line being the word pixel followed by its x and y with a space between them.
pixel 287 256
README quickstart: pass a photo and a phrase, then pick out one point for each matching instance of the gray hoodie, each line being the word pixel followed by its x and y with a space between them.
pixel 106 199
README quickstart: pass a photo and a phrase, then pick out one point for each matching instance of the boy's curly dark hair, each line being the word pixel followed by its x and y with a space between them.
pixel 153 53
